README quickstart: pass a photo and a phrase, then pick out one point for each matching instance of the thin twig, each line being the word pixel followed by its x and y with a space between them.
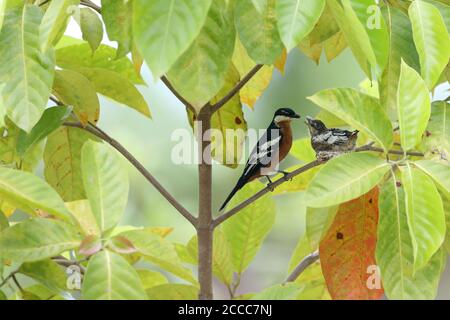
pixel 91 128
pixel 17 283
pixel 91 5
pixel 305 263
pixel 176 94
pixel 12 274
pixel 236 89
pixel 67 263
pixel 308 166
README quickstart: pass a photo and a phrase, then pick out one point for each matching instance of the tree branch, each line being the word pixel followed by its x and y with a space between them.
pixel 91 5
pixel 236 89
pixel 93 129
pixel 205 217
pixel 305 263
pixel 262 192
pixel 313 164
pixel 176 94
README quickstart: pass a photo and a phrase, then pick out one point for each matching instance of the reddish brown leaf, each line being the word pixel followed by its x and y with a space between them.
pixel 347 252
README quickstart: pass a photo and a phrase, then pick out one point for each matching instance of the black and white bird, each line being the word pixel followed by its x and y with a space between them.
pixel 328 143
pixel 270 150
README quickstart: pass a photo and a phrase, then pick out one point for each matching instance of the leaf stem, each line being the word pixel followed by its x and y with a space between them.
pixel 305 263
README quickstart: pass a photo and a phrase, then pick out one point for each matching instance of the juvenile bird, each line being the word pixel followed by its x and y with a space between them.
pixel 329 143
pixel 270 150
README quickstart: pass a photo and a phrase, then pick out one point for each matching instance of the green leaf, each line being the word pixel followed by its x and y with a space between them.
pixel 360 111
pixel 117 16
pixel 334 46
pixel 296 19
pixel 27 192
pixel 91 27
pixel 82 212
pixel 116 87
pixel 54 21
pixel 250 93
pixel 62 162
pixel 288 291
pixel 8 149
pixel 401 46
pixel 394 253
pixel 2 294
pixel 47 272
pixel 437 137
pixel 222 264
pixel 313 284
pixel 414 107
pixel 73 89
pixel 150 278
pixel 345 178
pixel 318 220
pixel 37 239
pixel 440 173
pixel 51 119
pixel 298 183
pixel 74 56
pixel 444 9
pixel 225 148
pixel 258 30
pixel 173 291
pixel 325 28
pixel 105 180
pixel 158 251
pixel 110 277
pixel 312 51
pixel 165 29
pixel 201 71
pixel 247 230
pixel 366 37
pixel 431 39
pixel 425 215
pixel 302 150
pixel 26 71
pixel 2 12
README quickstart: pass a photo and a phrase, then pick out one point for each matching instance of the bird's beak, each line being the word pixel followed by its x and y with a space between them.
pixel 309 120
pixel 296 116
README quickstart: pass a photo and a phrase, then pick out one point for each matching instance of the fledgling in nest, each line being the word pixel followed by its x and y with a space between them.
pixel 329 143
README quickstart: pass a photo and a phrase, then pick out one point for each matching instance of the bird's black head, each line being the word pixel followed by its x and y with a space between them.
pixel 285 114
pixel 315 126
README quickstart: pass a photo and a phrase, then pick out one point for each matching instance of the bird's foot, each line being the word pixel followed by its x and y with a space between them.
pixel 270 184
pixel 285 175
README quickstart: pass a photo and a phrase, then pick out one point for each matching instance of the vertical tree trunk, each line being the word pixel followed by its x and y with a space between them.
pixel 204 227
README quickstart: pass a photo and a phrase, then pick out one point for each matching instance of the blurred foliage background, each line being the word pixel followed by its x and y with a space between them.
pixel 150 141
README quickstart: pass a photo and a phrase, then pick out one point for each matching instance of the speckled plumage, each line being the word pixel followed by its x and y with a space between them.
pixel 328 143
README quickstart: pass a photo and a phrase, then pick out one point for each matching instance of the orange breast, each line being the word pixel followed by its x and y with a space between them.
pixel 286 142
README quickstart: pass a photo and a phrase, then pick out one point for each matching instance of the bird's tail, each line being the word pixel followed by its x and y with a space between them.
pixel 236 188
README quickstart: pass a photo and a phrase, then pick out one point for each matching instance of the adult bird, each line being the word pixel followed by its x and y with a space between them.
pixel 270 150
pixel 328 143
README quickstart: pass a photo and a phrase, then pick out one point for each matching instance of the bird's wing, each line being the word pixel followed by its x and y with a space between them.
pixel 338 137
pixel 261 156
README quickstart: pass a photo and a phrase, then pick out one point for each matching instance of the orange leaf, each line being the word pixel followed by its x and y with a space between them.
pixel 280 63
pixel 347 252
